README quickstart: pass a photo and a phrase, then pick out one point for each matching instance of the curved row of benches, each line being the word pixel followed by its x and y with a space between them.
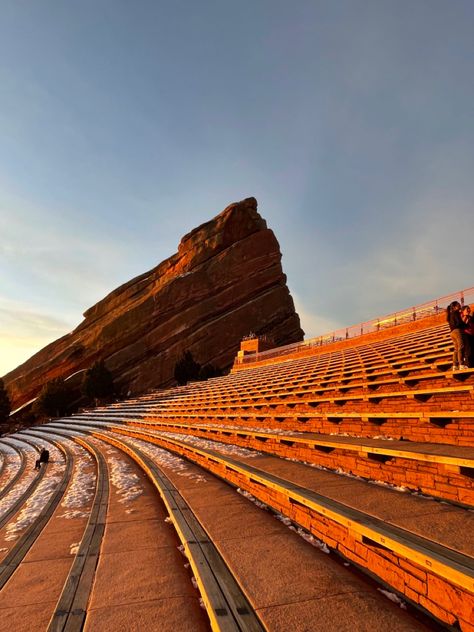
pixel 70 611
pixel 305 439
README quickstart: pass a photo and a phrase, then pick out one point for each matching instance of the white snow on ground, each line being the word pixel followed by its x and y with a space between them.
pixel 275 431
pixel 9 472
pixel 7 449
pixel 319 544
pixel 126 482
pixel 36 502
pixel 123 478
pixel 355 436
pixel 398 488
pixel 344 473
pixel 13 462
pixel 393 597
pixel 224 448
pixel 252 498
pixel 26 479
pixel 81 490
pixel 69 443
pixel 166 459
pixel 90 424
pixel 426 497
pixel 182 550
pixel 28 451
pixel 18 442
pixel 21 486
pixel 74 431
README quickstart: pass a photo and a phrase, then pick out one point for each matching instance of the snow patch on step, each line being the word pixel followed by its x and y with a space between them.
pixel 223 448
pixel 36 502
pixel 167 459
pixel 124 479
pixel 74 548
pixel 393 597
pixel 81 490
pixel 319 544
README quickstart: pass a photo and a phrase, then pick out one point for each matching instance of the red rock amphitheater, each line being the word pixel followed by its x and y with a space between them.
pixel 314 488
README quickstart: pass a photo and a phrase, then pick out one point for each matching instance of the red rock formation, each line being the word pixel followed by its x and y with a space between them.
pixel 225 281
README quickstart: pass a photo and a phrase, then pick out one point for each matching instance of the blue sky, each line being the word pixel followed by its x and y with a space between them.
pixel 123 125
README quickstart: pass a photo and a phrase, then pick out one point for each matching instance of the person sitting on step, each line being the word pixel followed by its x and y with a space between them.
pixel 43 458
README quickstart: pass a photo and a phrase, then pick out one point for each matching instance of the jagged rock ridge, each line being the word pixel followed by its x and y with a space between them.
pixel 225 280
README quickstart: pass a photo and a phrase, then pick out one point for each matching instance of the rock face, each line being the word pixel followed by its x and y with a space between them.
pixel 225 280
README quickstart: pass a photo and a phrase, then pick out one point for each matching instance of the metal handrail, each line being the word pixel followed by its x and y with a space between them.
pixel 418 312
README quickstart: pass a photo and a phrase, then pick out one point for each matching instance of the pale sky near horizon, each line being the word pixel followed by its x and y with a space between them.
pixel 125 125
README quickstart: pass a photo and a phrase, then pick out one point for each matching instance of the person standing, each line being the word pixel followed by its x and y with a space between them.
pixel 457 326
pixel 468 336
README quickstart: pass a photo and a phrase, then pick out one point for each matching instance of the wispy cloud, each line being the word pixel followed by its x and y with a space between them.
pixel 23 317
pixel 69 259
pixel 24 330
pixel 362 150
pixel 427 256
pixel 416 246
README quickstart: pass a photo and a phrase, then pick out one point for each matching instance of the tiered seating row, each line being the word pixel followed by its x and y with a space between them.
pixel 444 427
pixel 71 609
pixel 69 612
pixel 7 485
pixel 352 391
pixel 225 602
pixel 427 573
pixel 440 471
pixel 16 554
pixel 294 413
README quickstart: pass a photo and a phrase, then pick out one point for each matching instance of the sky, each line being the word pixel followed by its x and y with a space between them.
pixel 123 125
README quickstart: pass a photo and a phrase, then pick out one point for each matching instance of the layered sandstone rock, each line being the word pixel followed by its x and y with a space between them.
pixel 225 280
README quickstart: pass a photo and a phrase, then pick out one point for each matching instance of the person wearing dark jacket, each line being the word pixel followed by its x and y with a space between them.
pixel 457 326
pixel 43 458
pixel 468 336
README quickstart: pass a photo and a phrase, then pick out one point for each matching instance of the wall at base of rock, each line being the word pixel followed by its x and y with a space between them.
pixel 225 280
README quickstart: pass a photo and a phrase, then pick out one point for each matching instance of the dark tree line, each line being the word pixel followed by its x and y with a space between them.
pixel 56 397
pixel 98 383
pixel 187 370
pixel 5 404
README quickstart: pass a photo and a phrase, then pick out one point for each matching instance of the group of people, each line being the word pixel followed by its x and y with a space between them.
pixel 461 324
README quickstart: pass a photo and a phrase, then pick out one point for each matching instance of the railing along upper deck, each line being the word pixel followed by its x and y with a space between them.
pixel 412 314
